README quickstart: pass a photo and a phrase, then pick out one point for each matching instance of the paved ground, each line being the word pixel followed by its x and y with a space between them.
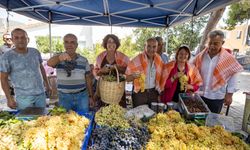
pixel 237 107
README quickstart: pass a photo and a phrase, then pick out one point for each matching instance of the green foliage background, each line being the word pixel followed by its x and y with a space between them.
pixel 238 13
pixel 188 33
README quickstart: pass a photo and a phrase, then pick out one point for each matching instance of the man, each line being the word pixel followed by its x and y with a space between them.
pixel 147 65
pixel 74 80
pixel 24 67
pixel 161 49
pixel 8 44
pixel 218 69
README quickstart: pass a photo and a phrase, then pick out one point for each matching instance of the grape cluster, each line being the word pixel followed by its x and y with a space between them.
pixel 112 116
pixel 57 111
pixel 106 138
pixel 69 66
pixel 112 78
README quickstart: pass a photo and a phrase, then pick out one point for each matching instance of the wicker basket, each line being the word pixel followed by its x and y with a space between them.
pixel 111 92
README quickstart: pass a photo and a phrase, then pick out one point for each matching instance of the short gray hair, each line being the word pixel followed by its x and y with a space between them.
pixel 18 29
pixel 159 39
pixel 70 35
pixel 216 33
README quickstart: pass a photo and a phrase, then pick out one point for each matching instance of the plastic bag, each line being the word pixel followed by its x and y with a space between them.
pixel 140 112
pixel 217 119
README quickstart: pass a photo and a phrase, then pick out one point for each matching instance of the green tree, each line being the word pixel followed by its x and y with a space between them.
pixel 188 33
pixel 142 34
pixel 238 13
pixel 42 43
pixel 128 47
pixel 91 54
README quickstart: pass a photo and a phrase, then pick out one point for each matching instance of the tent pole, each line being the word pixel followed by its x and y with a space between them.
pixel 50 39
pixel 166 41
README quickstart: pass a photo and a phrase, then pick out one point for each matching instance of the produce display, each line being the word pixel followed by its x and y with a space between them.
pixel 168 131
pixel 115 132
pixel 57 111
pixel 183 81
pixel 4 115
pixel 65 131
pixel 194 105
pixel 107 138
pixel 7 118
pixel 112 116
pixel 112 78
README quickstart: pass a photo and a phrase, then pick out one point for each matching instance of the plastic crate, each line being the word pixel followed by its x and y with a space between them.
pixel 189 115
pixel 88 131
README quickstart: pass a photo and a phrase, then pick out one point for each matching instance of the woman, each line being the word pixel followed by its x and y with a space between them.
pixel 180 76
pixel 106 61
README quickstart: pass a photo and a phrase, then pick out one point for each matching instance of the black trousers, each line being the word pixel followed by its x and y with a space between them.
pixel 215 106
pixel 146 97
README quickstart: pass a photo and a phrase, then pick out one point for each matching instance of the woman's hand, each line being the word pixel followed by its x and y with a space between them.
pixel 189 87
pixel 106 69
pixel 176 76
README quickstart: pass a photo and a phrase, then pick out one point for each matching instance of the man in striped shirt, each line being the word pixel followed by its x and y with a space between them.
pixel 73 77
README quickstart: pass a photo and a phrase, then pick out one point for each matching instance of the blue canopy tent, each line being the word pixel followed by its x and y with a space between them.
pixel 128 13
pixel 133 13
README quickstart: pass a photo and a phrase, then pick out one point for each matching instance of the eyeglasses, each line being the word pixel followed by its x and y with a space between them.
pixel 7 39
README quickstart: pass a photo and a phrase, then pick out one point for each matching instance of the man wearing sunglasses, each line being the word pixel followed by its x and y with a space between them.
pixel 8 44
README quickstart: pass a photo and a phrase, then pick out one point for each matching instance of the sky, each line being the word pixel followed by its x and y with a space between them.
pixel 98 31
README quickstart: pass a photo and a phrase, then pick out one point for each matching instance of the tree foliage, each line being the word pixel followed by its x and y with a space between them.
pixel 142 34
pixel 42 43
pixel 238 13
pixel 91 54
pixel 127 47
pixel 188 33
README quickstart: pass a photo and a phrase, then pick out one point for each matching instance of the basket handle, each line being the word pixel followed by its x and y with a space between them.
pixel 117 74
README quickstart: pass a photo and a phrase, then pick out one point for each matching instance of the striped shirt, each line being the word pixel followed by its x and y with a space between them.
pixel 76 82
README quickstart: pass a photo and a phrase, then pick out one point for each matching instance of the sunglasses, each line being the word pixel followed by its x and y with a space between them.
pixel 7 38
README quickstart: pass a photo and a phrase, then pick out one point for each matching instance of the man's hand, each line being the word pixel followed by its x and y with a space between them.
pixel 48 89
pixel 91 102
pixel 11 103
pixel 133 76
pixel 228 99
pixel 64 57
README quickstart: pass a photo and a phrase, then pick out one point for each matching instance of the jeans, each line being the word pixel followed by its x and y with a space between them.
pixel 31 101
pixel 78 102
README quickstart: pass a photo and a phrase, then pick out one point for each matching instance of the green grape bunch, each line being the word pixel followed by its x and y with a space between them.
pixel 112 116
pixel 183 81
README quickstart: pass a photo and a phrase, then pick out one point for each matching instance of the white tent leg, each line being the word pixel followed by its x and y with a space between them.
pixel 50 39
pixel 166 40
